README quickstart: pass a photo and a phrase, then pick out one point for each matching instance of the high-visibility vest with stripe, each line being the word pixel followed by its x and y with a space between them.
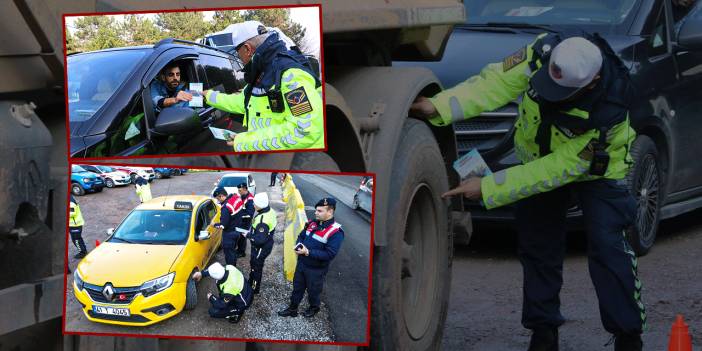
pixel 234 283
pixel 75 217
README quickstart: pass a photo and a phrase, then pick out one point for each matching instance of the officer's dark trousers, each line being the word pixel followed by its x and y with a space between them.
pixel 228 241
pixel 608 209
pixel 258 259
pixel 215 312
pixel 77 238
pixel 310 279
pixel 241 245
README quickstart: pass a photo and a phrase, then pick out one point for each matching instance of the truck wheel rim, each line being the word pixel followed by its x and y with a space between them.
pixel 419 266
pixel 647 189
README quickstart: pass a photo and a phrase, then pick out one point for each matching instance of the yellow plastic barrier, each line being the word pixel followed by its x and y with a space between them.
pixel 295 219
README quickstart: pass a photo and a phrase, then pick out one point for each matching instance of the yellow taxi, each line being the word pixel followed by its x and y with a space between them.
pixel 141 274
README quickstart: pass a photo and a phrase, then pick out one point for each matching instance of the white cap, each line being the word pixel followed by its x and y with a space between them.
pixel 244 31
pixel 216 271
pixel 261 200
pixel 574 63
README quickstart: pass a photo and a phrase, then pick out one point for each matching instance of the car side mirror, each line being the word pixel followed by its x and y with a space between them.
pixel 690 35
pixel 110 231
pixel 204 235
pixel 177 120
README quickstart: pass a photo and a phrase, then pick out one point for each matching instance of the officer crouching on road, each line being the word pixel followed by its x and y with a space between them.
pixel 572 138
pixel 317 245
pixel 229 219
pixel 235 294
pixel 261 237
pixel 75 228
pixel 246 217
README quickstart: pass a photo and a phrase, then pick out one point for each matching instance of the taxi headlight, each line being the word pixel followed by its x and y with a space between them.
pixel 159 284
pixel 77 279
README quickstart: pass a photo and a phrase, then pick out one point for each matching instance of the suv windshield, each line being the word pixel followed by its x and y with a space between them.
pixel 94 77
pixel 602 15
pixel 77 169
pixel 106 169
pixel 232 182
pixel 154 227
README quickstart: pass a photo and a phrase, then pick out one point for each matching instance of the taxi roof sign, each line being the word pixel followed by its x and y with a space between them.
pixel 183 205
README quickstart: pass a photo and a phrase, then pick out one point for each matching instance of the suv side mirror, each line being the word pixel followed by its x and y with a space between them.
pixel 690 35
pixel 204 235
pixel 176 120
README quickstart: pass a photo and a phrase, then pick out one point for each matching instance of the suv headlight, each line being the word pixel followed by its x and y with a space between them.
pixel 87 180
pixel 77 279
pixel 159 284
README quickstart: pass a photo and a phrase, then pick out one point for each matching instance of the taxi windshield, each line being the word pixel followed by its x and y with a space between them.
pixel 161 227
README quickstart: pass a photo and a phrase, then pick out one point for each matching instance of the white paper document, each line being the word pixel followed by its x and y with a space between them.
pixel 196 91
pixel 222 134
pixel 471 165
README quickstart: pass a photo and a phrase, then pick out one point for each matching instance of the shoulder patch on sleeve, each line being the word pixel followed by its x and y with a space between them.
pixel 298 101
pixel 512 60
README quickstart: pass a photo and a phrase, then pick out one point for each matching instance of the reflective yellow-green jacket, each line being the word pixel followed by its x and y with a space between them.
pixel 299 126
pixel 75 216
pixel 571 148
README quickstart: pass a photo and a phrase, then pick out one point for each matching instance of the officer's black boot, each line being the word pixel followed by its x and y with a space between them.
pixel 628 342
pixel 311 311
pixel 544 339
pixel 290 311
pixel 235 318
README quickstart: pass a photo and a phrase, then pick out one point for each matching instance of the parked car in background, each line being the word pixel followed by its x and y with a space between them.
pixel 109 175
pixel 83 181
pixel 163 172
pixel 658 41
pixel 363 198
pixel 145 172
pixel 230 181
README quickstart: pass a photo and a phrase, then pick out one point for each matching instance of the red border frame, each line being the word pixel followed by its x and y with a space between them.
pixel 370 268
pixel 321 62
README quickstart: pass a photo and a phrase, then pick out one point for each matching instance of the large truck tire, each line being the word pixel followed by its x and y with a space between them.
pixel 412 274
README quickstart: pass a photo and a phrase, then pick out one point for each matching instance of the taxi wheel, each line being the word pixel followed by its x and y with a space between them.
pixel 190 294
pixel 77 190
pixel 412 273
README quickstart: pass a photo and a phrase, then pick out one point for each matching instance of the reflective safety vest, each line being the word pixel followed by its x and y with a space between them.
pixel 269 218
pixel 555 143
pixel 144 192
pixel 234 283
pixel 76 217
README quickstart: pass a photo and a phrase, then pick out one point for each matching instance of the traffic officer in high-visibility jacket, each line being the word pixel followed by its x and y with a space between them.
pixel 143 189
pixel 316 246
pixel 235 294
pixel 75 228
pixel 282 100
pixel 572 137
pixel 261 236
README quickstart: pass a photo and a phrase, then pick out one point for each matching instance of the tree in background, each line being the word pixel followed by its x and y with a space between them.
pixel 96 33
pixel 222 19
pixel 183 25
pixel 279 18
pixel 139 30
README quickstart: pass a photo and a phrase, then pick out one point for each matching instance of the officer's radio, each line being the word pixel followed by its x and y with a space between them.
pixel 600 157
pixel 275 100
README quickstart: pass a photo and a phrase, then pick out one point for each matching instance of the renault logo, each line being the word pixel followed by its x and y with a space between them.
pixel 108 292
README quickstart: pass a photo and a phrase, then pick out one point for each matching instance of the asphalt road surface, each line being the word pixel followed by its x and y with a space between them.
pixel 486 296
pixel 107 209
pixel 346 289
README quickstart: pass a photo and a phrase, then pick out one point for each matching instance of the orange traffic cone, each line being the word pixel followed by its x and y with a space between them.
pixel 97 243
pixel 680 339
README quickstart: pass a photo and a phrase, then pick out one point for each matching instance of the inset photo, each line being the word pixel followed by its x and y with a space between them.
pixel 194 82
pixel 219 254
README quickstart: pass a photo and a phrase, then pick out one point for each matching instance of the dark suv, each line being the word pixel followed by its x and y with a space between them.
pixel 110 108
pixel 661 43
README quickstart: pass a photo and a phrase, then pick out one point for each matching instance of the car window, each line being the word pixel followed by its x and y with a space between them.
pixel 154 227
pixel 231 182
pixel 94 77
pixel 106 169
pixel 76 169
pixel 210 211
pixel 220 73
pixel 131 131
pixel 684 10
pixel 658 42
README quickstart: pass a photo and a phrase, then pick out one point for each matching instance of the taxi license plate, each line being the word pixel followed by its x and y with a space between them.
pixel 111 311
